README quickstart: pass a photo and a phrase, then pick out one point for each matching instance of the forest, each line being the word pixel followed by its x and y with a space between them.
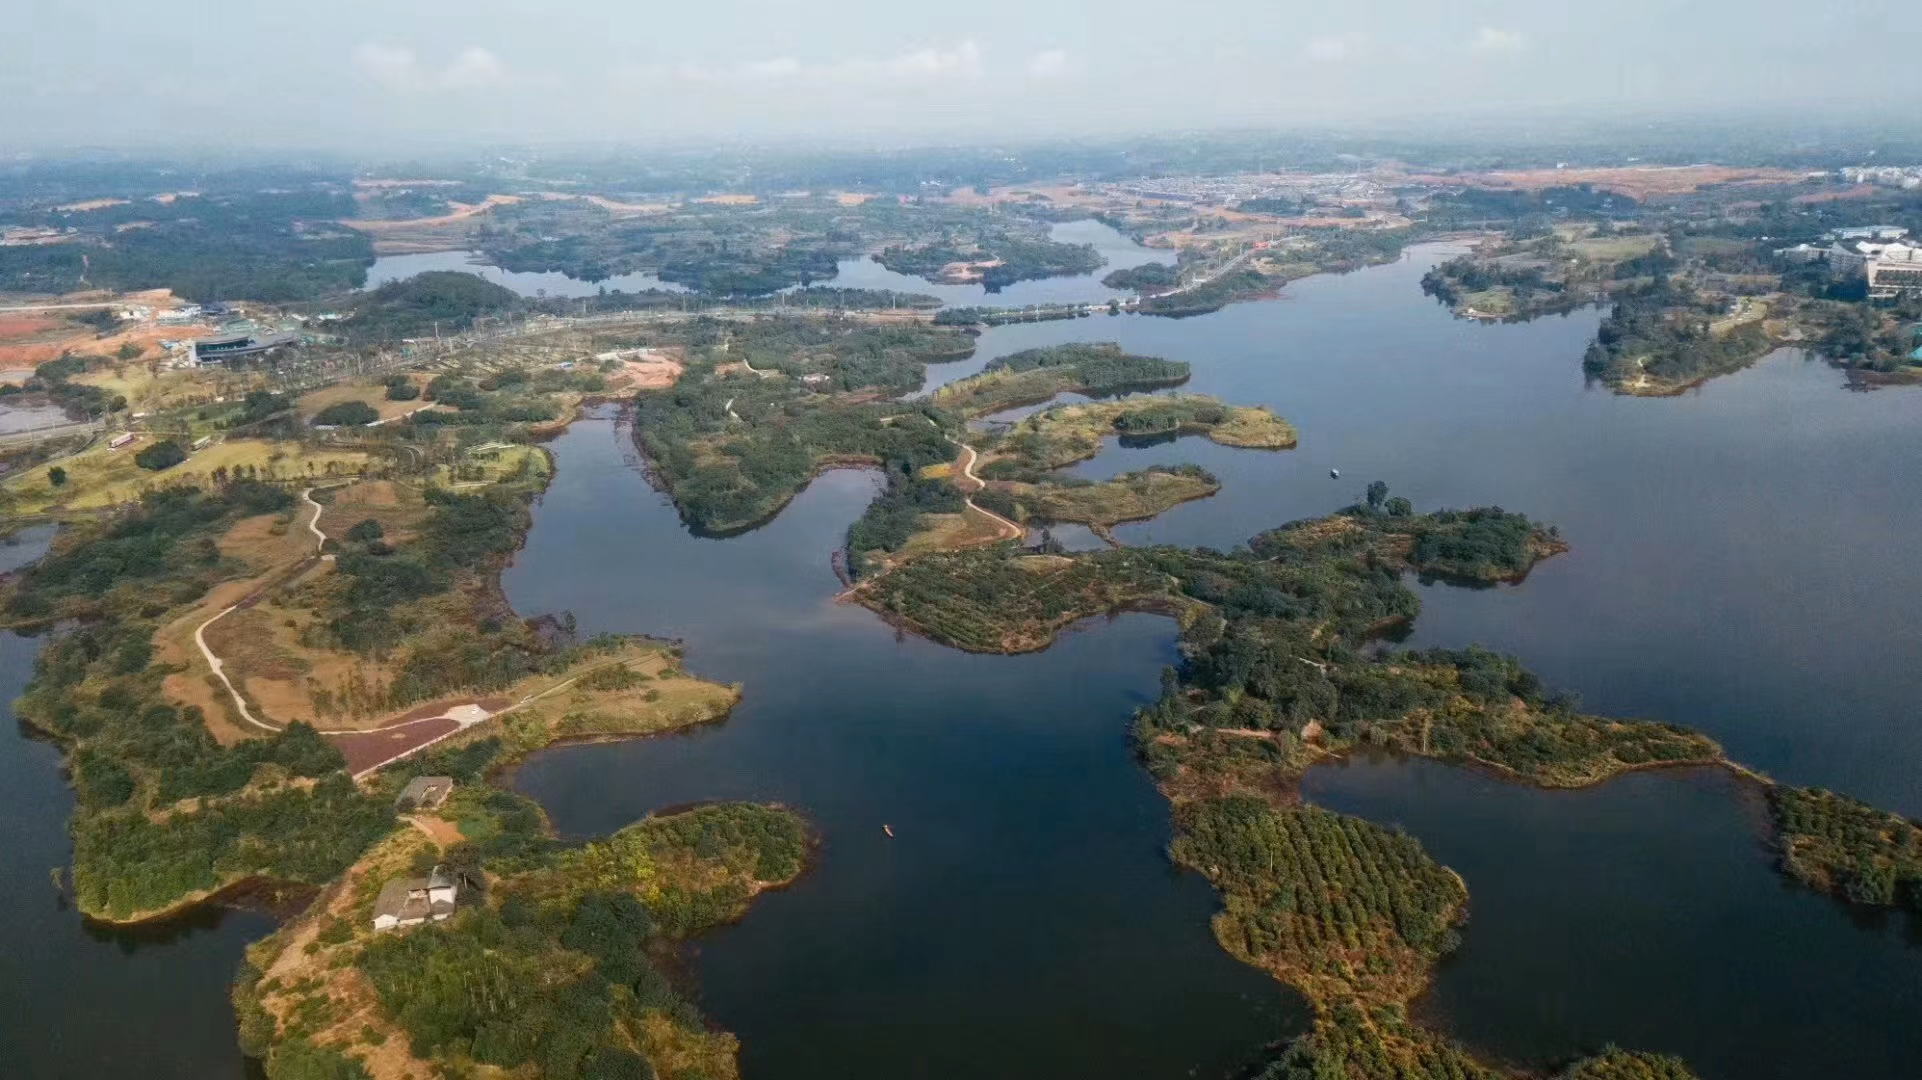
pixel 435 302
pixel 272 246
pixel 1035 375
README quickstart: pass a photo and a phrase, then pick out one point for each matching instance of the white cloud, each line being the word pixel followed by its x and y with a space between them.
pixel 961 62
pixel 473 67
pixel 1334 48
pixel 399 69
pixel 388 65
pixel 1048 64
pixel 1492 42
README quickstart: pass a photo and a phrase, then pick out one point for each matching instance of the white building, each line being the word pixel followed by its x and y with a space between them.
pixel 412 901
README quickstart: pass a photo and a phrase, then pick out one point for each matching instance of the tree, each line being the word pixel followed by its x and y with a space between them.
pixel 128 351
pixel 347 414
pixel 57 476
pixel 1377 494
pixel 365 531
pixel 164 454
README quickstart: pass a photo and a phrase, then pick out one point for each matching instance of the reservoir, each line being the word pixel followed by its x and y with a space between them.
pixel 1742 563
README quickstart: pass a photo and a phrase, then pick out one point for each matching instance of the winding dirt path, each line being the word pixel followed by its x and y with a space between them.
pixel 968 458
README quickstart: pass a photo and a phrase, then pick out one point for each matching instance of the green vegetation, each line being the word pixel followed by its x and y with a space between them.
pixel 558 969
pixel 733 446
pixel 1336 906
pixel 1528 276
pixel 1627 1065
pixel 1660 339
pixel 1004 258
pixel 164 813
pixel 346 414
pixel 436 302
pixel 55 378
pixel 1066 434
pixel 1035 375
pixel 155 457
pixel 1837 845
pixel 1132 496
pixel 1215 294
pixel 261 245
pixel 1150 277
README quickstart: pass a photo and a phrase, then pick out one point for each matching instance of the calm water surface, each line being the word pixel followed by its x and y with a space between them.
pixel 1743 563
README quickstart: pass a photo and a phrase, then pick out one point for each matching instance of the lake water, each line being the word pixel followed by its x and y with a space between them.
pixel 1742 563
pixel 1117 251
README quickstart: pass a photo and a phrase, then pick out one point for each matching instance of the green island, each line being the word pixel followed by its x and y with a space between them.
pixel 1277 674
pixel 1037 375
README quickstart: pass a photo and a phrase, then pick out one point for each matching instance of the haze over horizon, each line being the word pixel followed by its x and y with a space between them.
pixel 433 74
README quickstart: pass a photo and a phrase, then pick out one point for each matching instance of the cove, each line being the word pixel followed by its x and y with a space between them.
pixel 1022 921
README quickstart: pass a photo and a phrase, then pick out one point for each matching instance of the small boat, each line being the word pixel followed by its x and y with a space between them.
pixel 889 829
pixel 1334 474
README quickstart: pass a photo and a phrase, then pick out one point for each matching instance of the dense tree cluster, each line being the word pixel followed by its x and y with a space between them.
pixel 1663 331
pixel 438 301
pixel 1848 848
pixel 261 245
pixel 733 447
pixel 1034 375
pixel 557 975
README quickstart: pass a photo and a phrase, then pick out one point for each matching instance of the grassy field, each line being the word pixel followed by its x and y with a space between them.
pixel 98 477
pixel 1135 496
pixel 373 394
pixel 1614 248
pixel 1070 433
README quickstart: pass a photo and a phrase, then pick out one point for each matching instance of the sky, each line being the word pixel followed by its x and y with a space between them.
pixel 430 74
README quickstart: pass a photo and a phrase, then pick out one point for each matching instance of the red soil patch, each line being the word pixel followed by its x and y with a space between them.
pixel 365 749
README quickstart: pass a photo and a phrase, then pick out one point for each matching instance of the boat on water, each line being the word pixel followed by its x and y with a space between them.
pixel 1334 474
pixel 889 829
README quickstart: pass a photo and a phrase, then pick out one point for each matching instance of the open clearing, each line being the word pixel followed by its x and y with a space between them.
pixel 373 394
pixel 99 477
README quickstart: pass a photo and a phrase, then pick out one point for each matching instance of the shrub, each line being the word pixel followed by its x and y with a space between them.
pixel 164 454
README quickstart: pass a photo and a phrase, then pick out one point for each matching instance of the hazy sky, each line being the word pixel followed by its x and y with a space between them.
pixel 391 74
